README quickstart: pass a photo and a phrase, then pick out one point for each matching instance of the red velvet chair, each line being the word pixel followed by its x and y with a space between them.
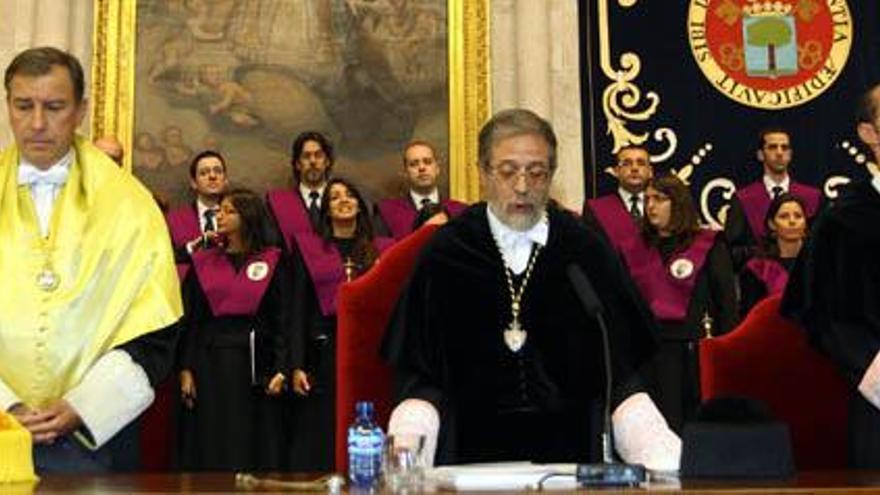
pixel 363 311
pixel 768 358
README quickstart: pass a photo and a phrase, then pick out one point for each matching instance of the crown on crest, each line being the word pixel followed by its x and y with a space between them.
pixel 757 8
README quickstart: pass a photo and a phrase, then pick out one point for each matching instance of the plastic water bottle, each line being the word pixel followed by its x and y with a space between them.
pixel 365 444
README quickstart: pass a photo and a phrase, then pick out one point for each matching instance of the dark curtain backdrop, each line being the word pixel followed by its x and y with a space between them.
pixel 698 113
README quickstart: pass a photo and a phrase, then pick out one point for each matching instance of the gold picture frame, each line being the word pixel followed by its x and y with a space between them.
pixel 113 82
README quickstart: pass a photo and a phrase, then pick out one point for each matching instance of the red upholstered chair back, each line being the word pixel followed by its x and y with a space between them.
pixel 768 358
pixel 363 311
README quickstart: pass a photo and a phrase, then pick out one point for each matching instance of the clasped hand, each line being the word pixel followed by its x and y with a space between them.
pixel 47 424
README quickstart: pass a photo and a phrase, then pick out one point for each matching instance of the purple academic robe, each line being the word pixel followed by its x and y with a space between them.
pixel 230 292
pixel 400 213
pixel 755 201
pixel 615 220
pixel 326 268
pixel 769 271
pixel 667 286
pixel 183 223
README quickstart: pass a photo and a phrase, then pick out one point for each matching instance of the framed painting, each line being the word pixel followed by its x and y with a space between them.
pixel 173 77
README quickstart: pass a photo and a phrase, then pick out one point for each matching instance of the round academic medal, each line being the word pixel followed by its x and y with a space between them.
pixel 257 270
pixel 681 268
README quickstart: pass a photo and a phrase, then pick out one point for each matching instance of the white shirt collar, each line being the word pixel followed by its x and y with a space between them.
pixel 63 162
pixel 305 191
pixel 769 184
pixel 417 198
pixel 626 197
pixel 516 245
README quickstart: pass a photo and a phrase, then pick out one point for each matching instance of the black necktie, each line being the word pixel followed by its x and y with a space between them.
pixel 425 202
pixel 314 208
pixel 777 190
pixel 209 220
pixel 634 207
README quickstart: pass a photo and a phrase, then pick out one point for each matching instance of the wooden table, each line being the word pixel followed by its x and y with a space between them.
pixel 809 482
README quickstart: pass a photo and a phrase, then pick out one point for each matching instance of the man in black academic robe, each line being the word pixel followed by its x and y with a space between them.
pixel 834 290
pixel 500 397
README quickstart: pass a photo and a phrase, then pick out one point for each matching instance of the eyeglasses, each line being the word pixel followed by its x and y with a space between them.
pixel 534 173
pixel 633 163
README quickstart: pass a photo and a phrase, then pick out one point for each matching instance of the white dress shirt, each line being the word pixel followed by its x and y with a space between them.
pixel 626 197
pixel 769 183
pixel 433 197
pixel 45 186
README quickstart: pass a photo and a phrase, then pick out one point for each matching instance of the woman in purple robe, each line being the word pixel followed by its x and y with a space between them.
pixel 343 248
pixel 767 273
pixel 237 326
pixel 685 275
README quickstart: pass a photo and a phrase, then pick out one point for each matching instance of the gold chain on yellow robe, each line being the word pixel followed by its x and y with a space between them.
pixel 110 247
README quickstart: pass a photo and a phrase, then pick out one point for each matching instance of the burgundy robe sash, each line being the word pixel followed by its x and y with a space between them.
pixel 230 292
pixel 291 214
pixel 183 223
pixel 615 220
pixel 755 201
pixel 325 266
pixel 400 213
pixel 771 272
pixel 669 295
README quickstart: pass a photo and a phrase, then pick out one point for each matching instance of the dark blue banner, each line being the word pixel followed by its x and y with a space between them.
pixel 696 80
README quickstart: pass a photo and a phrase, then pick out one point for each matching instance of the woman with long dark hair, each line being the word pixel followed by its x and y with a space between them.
pixel 685 274
pixel 767 273
pixel 343 248
pixel 235 348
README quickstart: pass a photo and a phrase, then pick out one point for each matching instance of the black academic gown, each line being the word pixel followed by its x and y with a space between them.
pixel 834 292
pixel 314 350
pixel 445 341
pixel 235 426
pixel 673 374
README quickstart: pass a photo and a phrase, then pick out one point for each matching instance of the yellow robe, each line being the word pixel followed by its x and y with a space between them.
pixel 110 247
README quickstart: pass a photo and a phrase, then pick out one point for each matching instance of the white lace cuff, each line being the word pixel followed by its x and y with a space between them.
pixel 417 417
pixel 869 387
pixel 641 435
pixel 112 394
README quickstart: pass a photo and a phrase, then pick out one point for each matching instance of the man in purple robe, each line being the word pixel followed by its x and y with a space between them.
pixel 618 216
pixel 421 170
pixel 744 226
pixel 298 210
pixel 195 223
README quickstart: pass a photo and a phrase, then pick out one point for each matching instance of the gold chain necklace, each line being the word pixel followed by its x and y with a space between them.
pixel 515 335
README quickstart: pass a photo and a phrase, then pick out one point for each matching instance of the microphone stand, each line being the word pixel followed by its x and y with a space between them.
pixel 607 473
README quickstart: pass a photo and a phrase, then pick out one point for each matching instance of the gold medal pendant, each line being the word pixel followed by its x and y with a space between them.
pixel 515 336
pixel 48 280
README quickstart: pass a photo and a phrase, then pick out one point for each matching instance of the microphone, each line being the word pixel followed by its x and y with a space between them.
pixel 608 473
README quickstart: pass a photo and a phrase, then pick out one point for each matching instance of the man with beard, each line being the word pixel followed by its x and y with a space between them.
pixel 619 215
pixel 744 227
pixel 833 292
pixel 299 210
pixel 495 357
pixel 421 169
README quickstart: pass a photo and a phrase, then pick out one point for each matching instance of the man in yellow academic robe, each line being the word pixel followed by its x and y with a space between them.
pixel 90 294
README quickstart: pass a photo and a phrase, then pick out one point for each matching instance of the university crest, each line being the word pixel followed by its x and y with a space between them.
pixel 770 54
